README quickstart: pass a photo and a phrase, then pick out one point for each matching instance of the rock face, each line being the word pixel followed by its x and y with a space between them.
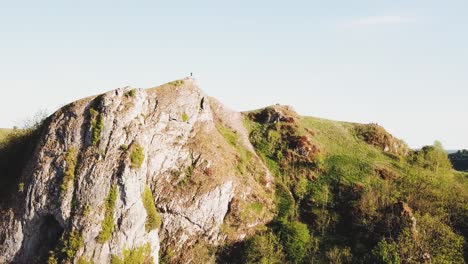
pixel 170 139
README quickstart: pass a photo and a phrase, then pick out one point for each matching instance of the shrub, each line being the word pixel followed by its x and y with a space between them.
pixel 72 245
pixel 386 252
pixel 107 225
pixel 284 202
pixel 137 255
pixel 52 258
pixel 123 147
pixel 153 220
pixel 97 124
pixel 86 210
pixel 294 238
pixel 83 260
pixel 338 255
pixel 137 157
pixel 433 240
pixel 176 83
pixel 185 117
pixel 433 158
pixel 131 93
pixel 21 187
pixel 70 159
pixel 265 249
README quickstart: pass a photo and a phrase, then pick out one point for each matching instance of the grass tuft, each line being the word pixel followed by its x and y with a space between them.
pixel 107 225
pixel 153 220
pixel 97 124
pixel 137 157
pixel 69 175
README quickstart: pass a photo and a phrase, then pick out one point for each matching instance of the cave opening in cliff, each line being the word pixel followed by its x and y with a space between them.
pixel 50 232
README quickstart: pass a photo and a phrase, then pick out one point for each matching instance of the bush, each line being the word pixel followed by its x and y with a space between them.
pixel 137 255
pixel 107 225
pixel 185 117
pixel 131 93
pixel 176 83
pixel 70 159
pixel 137 157
pixel 264 248
pixel 97 124
pixel 338 255
pixel 83 260
pixel 52 258
pixel 72 245
pixel 433 158
pixel 294 238
pixel 431 240
pixel 123 147
pixel 153 220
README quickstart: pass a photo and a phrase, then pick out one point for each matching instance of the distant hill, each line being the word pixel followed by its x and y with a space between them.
pixel 459 160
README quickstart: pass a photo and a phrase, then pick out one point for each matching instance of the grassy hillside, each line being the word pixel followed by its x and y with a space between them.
pixel 350 193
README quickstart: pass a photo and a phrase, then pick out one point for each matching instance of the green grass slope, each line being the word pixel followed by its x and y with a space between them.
pixel 351 193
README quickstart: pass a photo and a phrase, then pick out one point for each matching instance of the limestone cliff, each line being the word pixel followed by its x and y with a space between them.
pixel 83 193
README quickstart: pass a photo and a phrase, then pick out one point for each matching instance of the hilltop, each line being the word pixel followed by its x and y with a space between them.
pixel 170 175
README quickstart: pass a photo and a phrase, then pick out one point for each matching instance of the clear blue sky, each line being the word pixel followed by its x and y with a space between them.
pixel 400 63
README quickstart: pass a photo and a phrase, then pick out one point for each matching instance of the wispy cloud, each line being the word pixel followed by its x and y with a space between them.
pixel 375 21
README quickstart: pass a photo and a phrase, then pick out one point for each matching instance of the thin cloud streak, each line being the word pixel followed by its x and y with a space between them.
pixel 375 21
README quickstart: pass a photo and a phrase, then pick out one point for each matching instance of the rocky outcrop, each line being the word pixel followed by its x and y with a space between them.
pixel 83 188
pixel 377 136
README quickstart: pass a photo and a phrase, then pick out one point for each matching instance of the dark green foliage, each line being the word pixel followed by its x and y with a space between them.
pixel 295 238
pixel 153 220
pixel 97 124
pixel 66 248
pixel 131 93
pixel 107 225
pixel 337 255
pixel 137 157
pixel 69 175
pixel 264 248
pixel 433 241
pixel 52 259
pixel 459 160
pixel 123 147
pixel 16 148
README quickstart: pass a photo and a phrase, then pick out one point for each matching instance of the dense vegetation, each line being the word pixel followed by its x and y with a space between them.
pixel 459 160
pixel 341 199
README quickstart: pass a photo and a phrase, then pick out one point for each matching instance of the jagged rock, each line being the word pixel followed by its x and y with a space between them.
pixel 275 114
pixel 377 136
pixel 186 163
